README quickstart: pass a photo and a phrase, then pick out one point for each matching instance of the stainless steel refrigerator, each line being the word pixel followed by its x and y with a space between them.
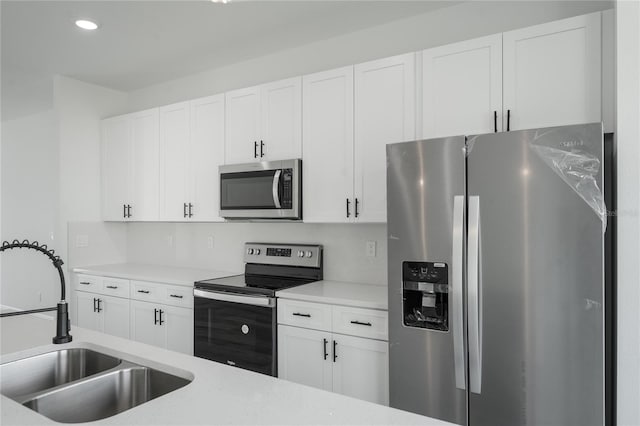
pixel 496 277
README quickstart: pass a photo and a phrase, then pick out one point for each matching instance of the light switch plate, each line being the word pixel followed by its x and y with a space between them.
pixel 370 249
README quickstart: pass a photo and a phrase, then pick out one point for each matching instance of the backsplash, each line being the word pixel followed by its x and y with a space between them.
pixel 220 245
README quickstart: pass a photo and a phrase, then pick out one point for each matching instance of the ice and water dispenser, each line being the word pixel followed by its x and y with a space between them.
pixel 425 295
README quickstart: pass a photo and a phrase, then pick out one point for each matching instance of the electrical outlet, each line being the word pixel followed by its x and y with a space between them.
pixel 82 241
pixel 169 240
pixel 210 242
pixel 370 249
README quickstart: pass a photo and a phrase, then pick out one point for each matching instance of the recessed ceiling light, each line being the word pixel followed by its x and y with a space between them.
pixel 86 25
pixel 221 1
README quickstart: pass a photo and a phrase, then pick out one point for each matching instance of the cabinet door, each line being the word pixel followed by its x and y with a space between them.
pixel 281 123
pixel 116 167
pixel 327 128
pixel 115 316
pixel 304 356
pixel 178 326
pixel 242 121
pixel 552 73
pixel 462 88
pixel 145 326
pixel 384 113
pixel 206 155
pixel 145 162
pixel 361 368
pixel 174 154
pixel 86 316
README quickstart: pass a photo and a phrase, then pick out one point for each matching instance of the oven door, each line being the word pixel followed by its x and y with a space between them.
pixel 267 190
pixel 236 329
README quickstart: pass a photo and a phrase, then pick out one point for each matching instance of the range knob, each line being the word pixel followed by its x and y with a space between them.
pixel 309 254
pixel 250 251
pixel 257 251
pixel 300 253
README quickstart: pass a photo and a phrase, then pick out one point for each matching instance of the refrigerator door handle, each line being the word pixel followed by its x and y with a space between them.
pixel 457 260
pixel 475 297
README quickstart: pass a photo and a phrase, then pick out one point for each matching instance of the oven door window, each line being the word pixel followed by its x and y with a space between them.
pixel 247 190
pixel 235 334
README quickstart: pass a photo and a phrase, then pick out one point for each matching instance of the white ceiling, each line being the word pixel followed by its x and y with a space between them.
pixel 141 43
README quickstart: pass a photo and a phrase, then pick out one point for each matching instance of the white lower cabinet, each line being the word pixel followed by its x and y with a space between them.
pixel 350 365
pixel 102 313
pixel 161 325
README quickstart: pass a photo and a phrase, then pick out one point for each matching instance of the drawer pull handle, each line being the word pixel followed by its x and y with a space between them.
pixel 368 324
pixel 85 283
pixel 177 296
pixel 298 314
pixel 113 287
pixel 143 291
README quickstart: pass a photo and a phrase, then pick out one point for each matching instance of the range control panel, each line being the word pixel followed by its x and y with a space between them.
pixel 284 254
pixel 425 295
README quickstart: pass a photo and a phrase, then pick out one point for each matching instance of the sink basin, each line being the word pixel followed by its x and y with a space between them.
pixel 27 376
pixel 83 385
pixel 105 395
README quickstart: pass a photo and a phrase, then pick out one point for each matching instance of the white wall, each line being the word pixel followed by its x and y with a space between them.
pixel 30 209
pixel 448 25
pixel 177 244
pixel 628 146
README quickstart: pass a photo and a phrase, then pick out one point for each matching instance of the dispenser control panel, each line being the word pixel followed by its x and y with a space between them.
pixel 425 291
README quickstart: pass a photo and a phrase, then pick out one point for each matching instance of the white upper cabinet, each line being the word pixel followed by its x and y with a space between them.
pixel 384 113
pixel 206 155
pixel 242 125
pixel 264 122
pixel 174 161
pixel 462 88
pixel 552 73
pixel 327 127
pixel 130 166
pixel 281 123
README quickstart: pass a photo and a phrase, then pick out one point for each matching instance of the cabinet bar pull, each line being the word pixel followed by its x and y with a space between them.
pixel 348 204
pixel 298 314
pixel 261 149
pixel 143 291
pixel 124 210
pixel 99 308
pixel 357 203
pixel 94 304
pixel 361 323
pixel 128 210
pixel 326 354
pixel 508 120
pixel 335 351
pixel 161 312
pixel 177 296
pixel 85 283
pixel 495 121
pixel 184 209
pixel 112 287
pixel 255 149
pixel 155 316
pixel 190 207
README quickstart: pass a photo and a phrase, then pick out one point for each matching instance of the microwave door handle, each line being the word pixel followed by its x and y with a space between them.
pixel 274 188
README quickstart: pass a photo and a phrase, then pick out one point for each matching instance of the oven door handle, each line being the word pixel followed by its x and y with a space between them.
pixel 269 302
pixel 274 188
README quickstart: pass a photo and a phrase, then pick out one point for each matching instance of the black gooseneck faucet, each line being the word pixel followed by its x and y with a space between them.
pixel 63 325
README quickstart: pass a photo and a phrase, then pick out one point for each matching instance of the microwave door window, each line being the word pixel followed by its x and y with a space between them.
pixel 247 190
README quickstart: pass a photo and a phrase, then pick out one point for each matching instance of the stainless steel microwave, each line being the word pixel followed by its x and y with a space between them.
pixel 265 190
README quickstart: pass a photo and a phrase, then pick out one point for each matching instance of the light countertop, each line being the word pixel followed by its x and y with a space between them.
pixel 154 273
pixel 219 394
pixel 339 293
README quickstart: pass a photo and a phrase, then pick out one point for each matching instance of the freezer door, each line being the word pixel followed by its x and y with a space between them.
pixel 535 279
pixel 425 221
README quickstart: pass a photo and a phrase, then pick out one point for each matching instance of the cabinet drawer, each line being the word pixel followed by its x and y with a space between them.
pixel 178 296
pixel 360 322
pixel 304 314
pixel 147 291
pixel 88 283
pixel 115 287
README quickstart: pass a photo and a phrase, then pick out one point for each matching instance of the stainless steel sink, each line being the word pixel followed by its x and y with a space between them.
pixel 105 395
pixel 83 385
pixel 37 373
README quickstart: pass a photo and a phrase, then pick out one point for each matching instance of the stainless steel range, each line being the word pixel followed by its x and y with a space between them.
pixel 235 317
